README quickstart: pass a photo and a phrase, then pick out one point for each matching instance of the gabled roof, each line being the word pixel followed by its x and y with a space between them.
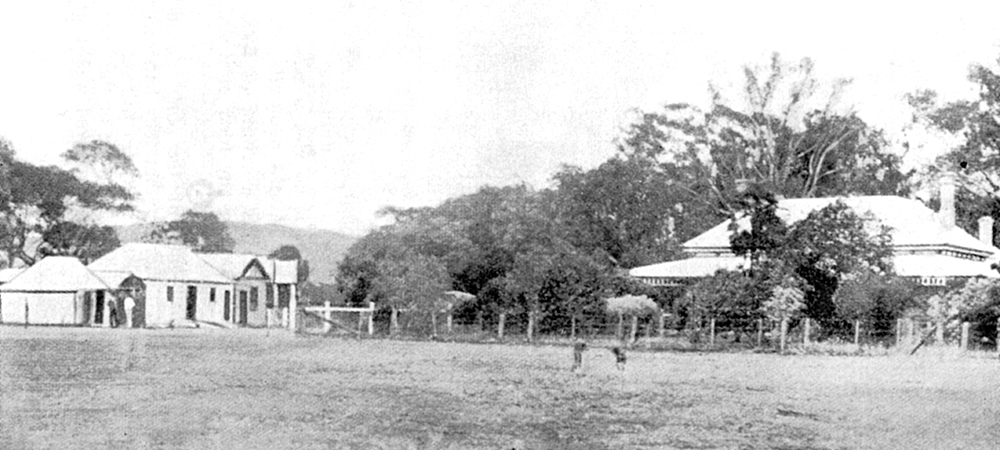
pixel 232 265
pixel 56 274
pixel 911 223
pixel 160 262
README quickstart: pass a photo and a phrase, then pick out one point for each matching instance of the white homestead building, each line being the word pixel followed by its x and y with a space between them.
pixel 58 290
pixel 926 246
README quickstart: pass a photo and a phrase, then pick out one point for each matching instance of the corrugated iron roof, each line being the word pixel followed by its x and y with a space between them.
pixel 231 265
pixel 160 262
pixel 941 266
pixel 911 223
pixel 695 267
pixel 56 274
pixel 8 274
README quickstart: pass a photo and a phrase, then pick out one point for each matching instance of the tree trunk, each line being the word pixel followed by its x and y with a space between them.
pixel 434 324
pixel 394 322
pixel 635 329
pixel 503 318
pixel 450 321
pixel 663 326
pixel 572 326
pixel 857 332
pixel 711 331
pixel 805 332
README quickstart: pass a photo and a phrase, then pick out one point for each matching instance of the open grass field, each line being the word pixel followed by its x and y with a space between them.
pixel 244 389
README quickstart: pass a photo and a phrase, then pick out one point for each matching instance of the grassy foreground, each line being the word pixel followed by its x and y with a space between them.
pixel 247 389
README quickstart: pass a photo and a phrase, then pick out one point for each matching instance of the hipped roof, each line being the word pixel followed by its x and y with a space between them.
pixel 56 274
pixel 696 267
pixel 160 262
pixel 911 224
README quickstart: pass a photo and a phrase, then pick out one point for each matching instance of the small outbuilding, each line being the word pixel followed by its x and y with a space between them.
pixel 58 290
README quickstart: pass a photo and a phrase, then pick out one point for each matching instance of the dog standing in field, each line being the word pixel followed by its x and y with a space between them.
pixel 620 358
pixel 578 348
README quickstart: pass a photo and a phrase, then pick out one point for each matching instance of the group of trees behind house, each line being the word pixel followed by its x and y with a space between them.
pixel 50 210
pixel 59 211
pixel 547 257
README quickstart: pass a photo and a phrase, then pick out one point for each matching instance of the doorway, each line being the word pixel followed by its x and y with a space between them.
pixel 99 308
pixel 243 307
pixel 192 302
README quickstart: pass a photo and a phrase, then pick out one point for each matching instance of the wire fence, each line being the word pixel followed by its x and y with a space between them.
pixel 662 331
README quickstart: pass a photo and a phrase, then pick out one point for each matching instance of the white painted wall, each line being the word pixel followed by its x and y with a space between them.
pixel 159 311
pixel 44 308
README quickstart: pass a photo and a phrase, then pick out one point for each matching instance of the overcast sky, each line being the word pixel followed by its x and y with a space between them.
pixel 317 114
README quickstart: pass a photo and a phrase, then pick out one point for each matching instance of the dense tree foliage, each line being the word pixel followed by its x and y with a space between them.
pixel 45 209
pixel 202 231
pixel 784 137
pixel 547 258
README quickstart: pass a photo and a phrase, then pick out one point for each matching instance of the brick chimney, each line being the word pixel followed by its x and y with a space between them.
pixel 986 230
pixel 947 210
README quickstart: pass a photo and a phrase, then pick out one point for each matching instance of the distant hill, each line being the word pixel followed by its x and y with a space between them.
pixel 322 248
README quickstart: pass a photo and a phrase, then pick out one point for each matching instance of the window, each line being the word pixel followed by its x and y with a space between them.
pixel 254 295
pixel 170 293
pixel 211 295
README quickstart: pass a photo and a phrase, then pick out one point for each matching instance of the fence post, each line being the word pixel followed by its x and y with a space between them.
pixel 620 333
pixel 531 326
pixel 784 333
pixel 965 335
pixel 805 334
pixel 662 330
pixel 857 332
pixel 25 314
pixel 326 317
pixel 371 318
pixel 711 331
pixel 760 332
